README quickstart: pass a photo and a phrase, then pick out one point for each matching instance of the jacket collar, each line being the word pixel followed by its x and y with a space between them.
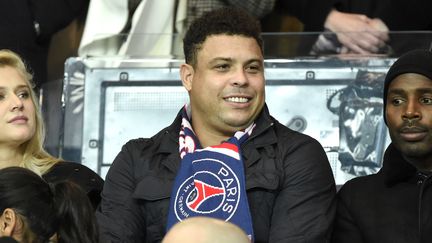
pixel 395 167
pixel 169 140
pixel 260 137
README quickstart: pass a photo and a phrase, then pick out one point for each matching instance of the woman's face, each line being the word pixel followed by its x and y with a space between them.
pixel 17 111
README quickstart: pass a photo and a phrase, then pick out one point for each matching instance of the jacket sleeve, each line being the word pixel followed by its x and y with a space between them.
pixel 305 207
pixel 119 217
pixel 345 228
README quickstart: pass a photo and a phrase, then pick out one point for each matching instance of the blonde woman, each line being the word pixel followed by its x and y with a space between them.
pixel 22 131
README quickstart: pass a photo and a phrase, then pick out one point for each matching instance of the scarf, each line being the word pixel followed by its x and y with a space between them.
pixel 211 181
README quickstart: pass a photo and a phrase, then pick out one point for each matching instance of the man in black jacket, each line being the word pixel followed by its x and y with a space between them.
pixel 286 178
pixel 395 205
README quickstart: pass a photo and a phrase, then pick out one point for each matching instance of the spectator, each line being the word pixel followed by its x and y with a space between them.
pixel 133 22
pixel 274 183
pixel 359 27
pixel 22 131
pixel 364 27
pixel 34 211
pixel 395 204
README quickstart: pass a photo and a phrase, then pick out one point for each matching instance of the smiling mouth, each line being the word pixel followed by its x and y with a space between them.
pixel 237 99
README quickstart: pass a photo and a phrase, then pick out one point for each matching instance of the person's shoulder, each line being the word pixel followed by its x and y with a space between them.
pixel 87 179
pixel 136 145
pixel 143 142
pixel 361 186
pixel 76 172
pixel 166 137
pixel 137 141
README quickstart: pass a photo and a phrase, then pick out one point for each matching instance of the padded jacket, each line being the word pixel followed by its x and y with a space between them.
pixel 289 184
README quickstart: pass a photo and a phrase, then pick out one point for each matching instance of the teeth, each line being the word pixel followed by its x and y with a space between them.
pixel 237 99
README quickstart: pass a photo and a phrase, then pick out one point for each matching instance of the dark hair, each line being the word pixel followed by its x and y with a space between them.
pixel 230 21
pixel 45 209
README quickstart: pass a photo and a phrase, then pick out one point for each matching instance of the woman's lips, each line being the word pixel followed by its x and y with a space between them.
pixel 19 120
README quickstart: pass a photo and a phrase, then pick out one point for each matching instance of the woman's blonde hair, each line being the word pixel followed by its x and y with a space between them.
pixel 35 157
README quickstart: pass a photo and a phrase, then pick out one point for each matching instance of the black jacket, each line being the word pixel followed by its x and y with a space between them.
pixel 289 184
pixel 87 179
pixel 394 205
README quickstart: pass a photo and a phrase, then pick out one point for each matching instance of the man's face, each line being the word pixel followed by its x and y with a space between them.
pixel 226 86
pixel 409 115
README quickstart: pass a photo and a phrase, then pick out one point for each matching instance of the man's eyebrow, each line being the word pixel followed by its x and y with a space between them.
pixel 424 90
pixel 217 59
pixel 403 91
pixel 228 59
pixel 396 91
pixel 255 60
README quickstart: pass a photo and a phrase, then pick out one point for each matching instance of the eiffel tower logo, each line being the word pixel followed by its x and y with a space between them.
pixel 203 192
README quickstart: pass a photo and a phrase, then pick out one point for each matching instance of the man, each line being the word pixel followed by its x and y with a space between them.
pixel 395 205
pixel 224 156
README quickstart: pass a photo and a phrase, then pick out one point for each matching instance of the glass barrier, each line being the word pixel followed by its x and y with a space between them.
pixel 276 45
pixel 110 99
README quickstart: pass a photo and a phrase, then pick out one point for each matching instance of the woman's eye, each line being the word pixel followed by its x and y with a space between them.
pixel 23 95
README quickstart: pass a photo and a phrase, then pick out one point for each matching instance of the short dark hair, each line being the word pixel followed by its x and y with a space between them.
pixel 230 21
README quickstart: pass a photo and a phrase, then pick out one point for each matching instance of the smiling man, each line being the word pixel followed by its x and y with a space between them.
pixel 224 156
pixel 395 205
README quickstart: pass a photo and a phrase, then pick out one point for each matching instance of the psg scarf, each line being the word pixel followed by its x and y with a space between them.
pixel 211 181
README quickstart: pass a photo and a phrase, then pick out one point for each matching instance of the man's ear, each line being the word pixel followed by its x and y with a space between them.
pixel 8 222
pixel 186 74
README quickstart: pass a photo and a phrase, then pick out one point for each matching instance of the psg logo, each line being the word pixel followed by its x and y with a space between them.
pixel 213 190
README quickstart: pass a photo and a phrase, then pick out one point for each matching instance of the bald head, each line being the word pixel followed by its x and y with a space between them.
pixel 205 230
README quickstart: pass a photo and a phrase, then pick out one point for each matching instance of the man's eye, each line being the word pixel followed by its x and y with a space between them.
pixel 426 100
pixel 253 68
pixel 396 101
pixel 222 67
